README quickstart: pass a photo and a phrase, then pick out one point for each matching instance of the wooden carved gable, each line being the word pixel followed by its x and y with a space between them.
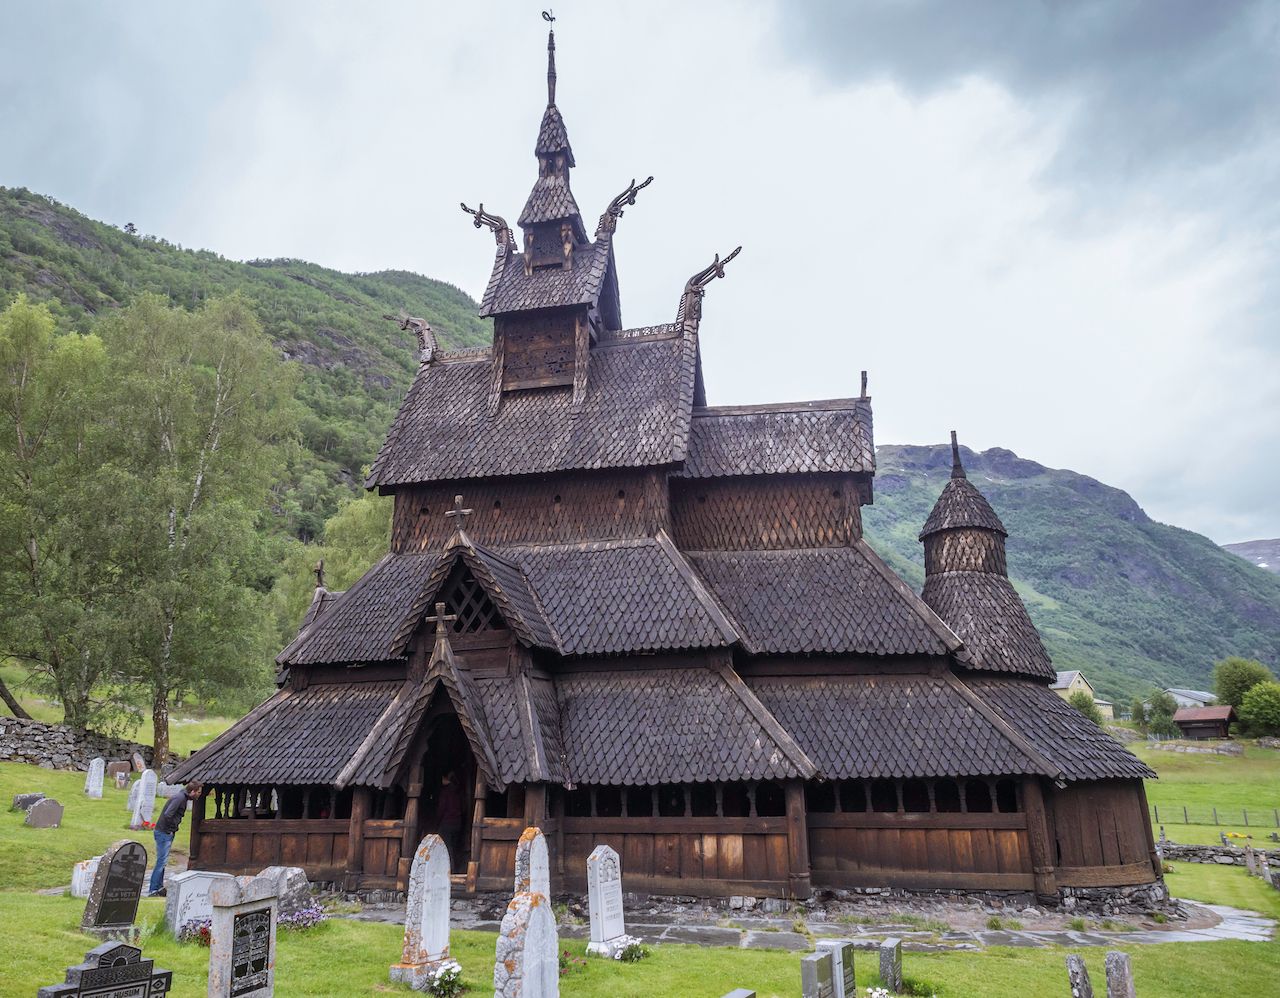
pixel 465 598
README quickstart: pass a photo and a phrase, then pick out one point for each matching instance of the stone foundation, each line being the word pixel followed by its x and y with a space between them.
pixel 57 746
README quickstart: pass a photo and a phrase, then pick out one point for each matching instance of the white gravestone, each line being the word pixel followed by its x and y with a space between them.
pixel 842 975
pixel 145 804
pixel 533 865
pixel 188 897
pixel 242 952
pixel 527 961
pixel 82 876
pixel 93 779
pixel 122 780
pixel 426 917
pixel 134 788
pixel 604 901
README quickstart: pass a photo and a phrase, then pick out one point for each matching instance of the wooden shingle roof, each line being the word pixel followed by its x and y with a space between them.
pixel 510 289
pixel 988 615
pixel 961 505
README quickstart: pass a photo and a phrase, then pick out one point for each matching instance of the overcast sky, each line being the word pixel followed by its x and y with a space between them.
pixel 1050 225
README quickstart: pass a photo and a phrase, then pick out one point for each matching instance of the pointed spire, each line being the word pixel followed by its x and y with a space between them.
pixel 957 469
pixel 551 59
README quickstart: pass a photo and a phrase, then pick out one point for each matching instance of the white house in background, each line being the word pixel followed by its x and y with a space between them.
pixel 1191 698
pixel 1073 681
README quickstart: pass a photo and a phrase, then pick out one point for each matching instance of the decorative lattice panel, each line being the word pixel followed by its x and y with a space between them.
pixel 466 599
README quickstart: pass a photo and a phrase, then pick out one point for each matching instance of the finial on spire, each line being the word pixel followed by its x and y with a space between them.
pixel 864 384
pixel 550 18
pixel 441 619
pixel 957 469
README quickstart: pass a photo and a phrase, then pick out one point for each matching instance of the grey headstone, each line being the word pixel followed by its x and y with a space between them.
pixel 604 901
pixel 93 779
pixel 188 897
pixel 144 804
pixel 533 865
pixel 426 917
pixel 527 961
pixel 23 802
pixel 891 965
pixel 841 951
pixel 167 790
pixel 82 876
pixel 1119 976
pixel 817 979
pixel 112 970
pixel 135 790
pixel 122 780
pixel 117 885
pixel 740 993
pixel 46 813
pixel 139 763
pixel 1078 977
pixel 242 951
pixel 114 769
pixel 292 887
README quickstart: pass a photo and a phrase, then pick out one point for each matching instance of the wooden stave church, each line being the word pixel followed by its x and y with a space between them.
pixel 658 626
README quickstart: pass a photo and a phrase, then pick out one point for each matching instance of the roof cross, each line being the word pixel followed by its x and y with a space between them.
pixel 458 512
pixel 441 619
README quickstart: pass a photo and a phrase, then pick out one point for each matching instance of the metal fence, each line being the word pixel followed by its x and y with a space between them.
pixel 1183 814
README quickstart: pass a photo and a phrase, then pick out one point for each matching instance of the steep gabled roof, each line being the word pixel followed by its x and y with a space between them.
pixel 986 612
pixel 510 289
pixel 1225 712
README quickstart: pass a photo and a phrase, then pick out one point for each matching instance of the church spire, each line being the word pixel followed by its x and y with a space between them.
pixel 957 469
pixel 551 57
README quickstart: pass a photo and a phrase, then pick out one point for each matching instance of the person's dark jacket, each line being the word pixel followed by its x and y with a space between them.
pixel 174 811
pixel 449 805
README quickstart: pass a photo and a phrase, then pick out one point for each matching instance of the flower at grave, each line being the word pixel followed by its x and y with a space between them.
pixel 446 980
pixel 570 963
pixel 199 931
pixel 303 918
pixel 629 949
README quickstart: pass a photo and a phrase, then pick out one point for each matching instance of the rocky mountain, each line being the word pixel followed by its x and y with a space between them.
pixel 1131 602
pixel 1264 554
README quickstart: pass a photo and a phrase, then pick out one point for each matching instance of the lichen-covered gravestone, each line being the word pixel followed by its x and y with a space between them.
pixel 82 875
pixel 527 963
pixel 117 885
pixel 242 950
pixel 426 917
pixel 1119 975
pixel 44 813
pixel 187 897
pixel 292 888
pixel 112 970
pixel 891 965
pixel 1078 977
pixel 842 975
pixel 23 802
pixel 817 978
pixel 533 865
pixel 135 789
pixel 145 803
pixel 604 902
pixel 93 779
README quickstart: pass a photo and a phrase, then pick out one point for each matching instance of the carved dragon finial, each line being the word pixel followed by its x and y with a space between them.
pixel 695 288
pixel 609 220
pixel 496 224
pixel 427 345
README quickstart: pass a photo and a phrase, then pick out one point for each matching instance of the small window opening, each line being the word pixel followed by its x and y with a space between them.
pixel 771 800
pixel 820 798
pixel 608 802
pixel 671 802
pixel 736 802
pixel 639 802
pixel 853 796
pixel 577 803
pixel 702 798
pixel 1007 796
pixel 884 796
pixel 946 797
pixel 915 797
pixel 977 797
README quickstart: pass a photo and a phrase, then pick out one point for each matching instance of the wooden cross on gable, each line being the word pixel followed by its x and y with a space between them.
pixel 441 619
pixel 458 512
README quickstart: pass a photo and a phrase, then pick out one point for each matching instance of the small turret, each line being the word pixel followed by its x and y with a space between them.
pixel 963 532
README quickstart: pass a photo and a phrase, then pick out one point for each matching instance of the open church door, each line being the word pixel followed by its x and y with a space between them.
pixel 448 769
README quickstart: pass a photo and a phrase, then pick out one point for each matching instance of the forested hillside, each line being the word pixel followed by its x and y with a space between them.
pixel 1131 602
pixel 356 365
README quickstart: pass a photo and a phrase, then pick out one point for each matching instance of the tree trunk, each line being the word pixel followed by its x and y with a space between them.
pixel 159 728
pixel 12 703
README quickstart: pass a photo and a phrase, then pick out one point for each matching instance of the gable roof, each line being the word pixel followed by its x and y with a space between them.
pixel 510 289
pixel 1063 680
pixel 1225 712
pixel 635 413
pixel 986 612
pixel 832 435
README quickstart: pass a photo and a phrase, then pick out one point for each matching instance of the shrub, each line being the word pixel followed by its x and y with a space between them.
pixel 1083 702
pixel 1234 677
pixel 1138 713
pixel 1260 709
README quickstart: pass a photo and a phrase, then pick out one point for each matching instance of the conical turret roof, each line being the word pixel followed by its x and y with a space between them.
pixel 961 504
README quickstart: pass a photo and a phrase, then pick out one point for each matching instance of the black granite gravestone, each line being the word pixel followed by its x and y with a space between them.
pixel 112 970
pixel 113 898
pixel 250 951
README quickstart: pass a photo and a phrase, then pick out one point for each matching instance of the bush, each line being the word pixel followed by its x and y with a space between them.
pixel 1138 713
pixel 1234 677
pixel 1260 709
pixel 1083 702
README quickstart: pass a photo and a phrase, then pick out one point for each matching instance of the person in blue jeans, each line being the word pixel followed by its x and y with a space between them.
pixel 167 826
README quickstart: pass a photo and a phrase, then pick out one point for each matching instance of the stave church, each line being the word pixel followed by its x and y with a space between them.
pixel 626 616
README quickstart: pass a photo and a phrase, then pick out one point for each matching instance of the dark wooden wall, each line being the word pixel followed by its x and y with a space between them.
pixel 964 551
pixel 767 512
pixel 538 350
pixel 1102 834
pixel 544 509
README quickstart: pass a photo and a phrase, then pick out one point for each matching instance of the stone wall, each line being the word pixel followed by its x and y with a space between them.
pixel 56 746
pixel 1223 855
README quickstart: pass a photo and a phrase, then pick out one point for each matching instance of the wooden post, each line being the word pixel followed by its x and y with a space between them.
pixel 535 804
pixel 355 837
pixel 409 837
pixel 477 832
pixel 197 819
pixel 1042 853
pixel 1157 863
pixel 797 842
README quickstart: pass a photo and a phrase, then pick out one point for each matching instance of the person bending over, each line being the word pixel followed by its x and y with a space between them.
pixel 167 826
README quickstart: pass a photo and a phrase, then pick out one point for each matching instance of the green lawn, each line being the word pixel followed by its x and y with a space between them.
pixel 1203 782
pixel 1229 885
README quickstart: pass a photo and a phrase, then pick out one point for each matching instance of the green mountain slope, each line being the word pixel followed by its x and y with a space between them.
pixel 1131 602
pixel 356 365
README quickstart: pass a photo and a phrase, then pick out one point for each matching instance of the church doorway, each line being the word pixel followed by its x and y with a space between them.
pixel 448 789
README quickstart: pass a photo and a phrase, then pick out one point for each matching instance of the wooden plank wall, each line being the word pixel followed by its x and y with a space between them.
pixel 245 846
pixel 1100 833
pixel 970 851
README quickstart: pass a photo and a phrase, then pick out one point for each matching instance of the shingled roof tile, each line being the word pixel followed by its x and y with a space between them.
pixel 961 505
pixel 987 614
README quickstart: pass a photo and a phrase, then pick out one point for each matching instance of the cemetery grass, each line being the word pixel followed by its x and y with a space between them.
pixel 1229 885
pixel 1203 782
pixel 344 957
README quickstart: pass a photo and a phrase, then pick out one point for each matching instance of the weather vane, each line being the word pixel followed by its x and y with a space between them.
pixel 548 16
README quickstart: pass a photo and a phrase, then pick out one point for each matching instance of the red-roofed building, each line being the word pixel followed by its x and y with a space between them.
pixel 1205 722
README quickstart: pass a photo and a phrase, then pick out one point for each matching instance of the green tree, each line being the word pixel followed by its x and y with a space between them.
pixel 1138 713
pixel 1160 710
pixel 202 416
pixel 1083 702
pixel 1260 710
pixel 59 597
pixel 1234 677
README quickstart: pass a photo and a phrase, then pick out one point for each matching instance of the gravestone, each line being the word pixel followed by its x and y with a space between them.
pixel 1119 976
pixel 46 813
pixel 112 970
pixel 740 993
pixel 1078 977
pixel 292 888
pixel 114 769
pixel 817 980
pixel 533 866
pixel 426 917
pixel 188 898
pixel 604 900
pixel 527 961
pixel 23 802
pixel 135 791
pixel 242 950
pixel 122 780
pixel 93 779
pixel 145 804
pixel 891 965
pixel 113 897
pixel 1250 862
pixel 841 951
pixel 139 763
pixel 82 876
